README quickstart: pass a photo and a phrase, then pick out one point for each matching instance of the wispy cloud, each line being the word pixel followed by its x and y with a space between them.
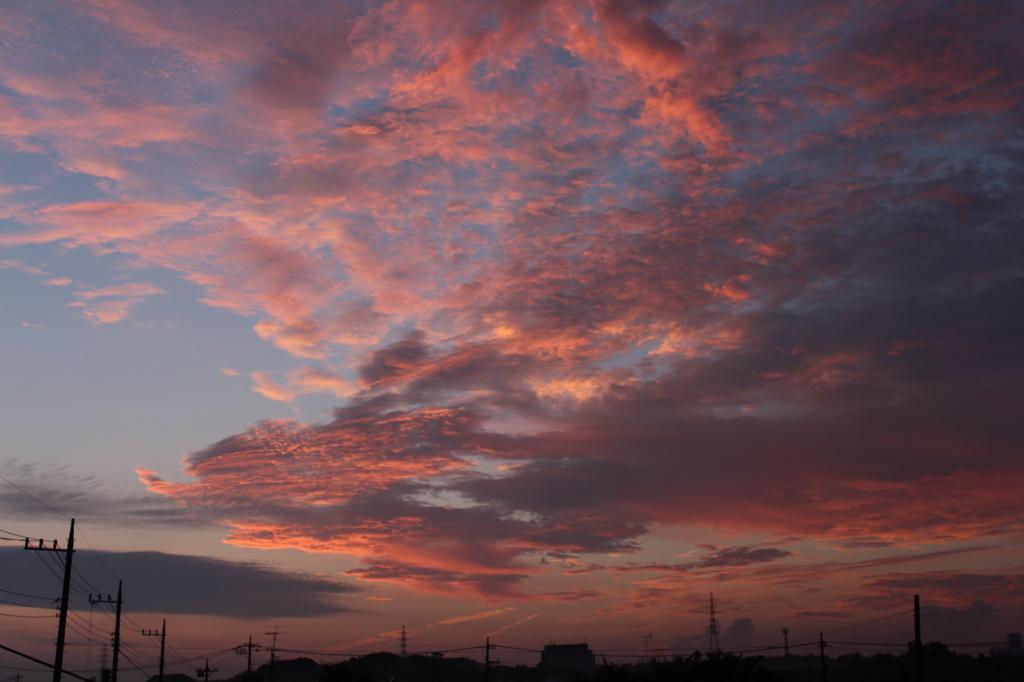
pixel 746 269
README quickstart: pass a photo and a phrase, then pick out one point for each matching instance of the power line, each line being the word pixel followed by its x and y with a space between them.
pixel 86 624
pixel 25 492
pixel 92 588
pixel 82 634
pixel 27 596
pixel 135 666
pixel 48 567
pixel 130 594
pixel 867 622
pixel 17 535
pixel 967 613
pixel 27 606
pixel 33 658
pixel 516 648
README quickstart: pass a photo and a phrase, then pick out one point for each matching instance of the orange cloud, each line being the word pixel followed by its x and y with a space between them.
pixel 708 265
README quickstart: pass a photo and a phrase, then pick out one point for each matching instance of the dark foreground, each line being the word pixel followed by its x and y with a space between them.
pixel 940 665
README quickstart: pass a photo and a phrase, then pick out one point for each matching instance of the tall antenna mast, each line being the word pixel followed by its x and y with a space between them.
pixel 713 627
pixel 405 643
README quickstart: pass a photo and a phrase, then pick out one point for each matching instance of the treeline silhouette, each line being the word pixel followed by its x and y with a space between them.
pixel 941 665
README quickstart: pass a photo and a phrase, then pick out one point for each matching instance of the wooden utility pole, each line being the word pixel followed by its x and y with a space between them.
pixel 205 671
pixel 487 659
pixel 246 650
pixel 822 645
pixel 117 626
pixel 163 640
pixel 273 649
pixel 918 650
pixel 62 624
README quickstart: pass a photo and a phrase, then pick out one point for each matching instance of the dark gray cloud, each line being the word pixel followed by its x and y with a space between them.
pixel 718 558
pixel 60 491
pixel 807 321
pixel 156 582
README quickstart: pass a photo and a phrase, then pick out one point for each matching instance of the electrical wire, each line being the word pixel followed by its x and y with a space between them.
pixel 135 666
pixel 48 567
pixel 83 623
pixel 867 622
pixel 967 613
pixel 25 492
pixel 92 587
pixel 27 596
pixel 71 626
pixel 17 535
pixel 27 606
pixel 127 590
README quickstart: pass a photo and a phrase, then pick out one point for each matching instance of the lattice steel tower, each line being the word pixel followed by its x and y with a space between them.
pixel 713 627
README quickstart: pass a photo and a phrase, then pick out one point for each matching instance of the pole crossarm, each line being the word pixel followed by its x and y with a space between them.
pixel 162 634
pixel 204 672
pixel 65 595
pixel 100 599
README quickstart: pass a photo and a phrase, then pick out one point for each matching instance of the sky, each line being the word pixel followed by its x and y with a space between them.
pixel 538 319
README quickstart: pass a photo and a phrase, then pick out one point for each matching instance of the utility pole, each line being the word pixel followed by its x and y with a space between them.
pixel 918 650
pixel 163 640
pixel 273 649
pixel 245 650
pixel 647 639
pixel 487 659
pixel 405 644
pixel 62 624
pixel 713 628
pixel 205 671
pixel 117 626
pixel 822 645
pixel 785 639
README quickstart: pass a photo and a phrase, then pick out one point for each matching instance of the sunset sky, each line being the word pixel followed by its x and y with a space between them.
pixel 540 319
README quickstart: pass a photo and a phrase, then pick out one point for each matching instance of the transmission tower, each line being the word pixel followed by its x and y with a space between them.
pixel 405 643
pixel 713 627
pixel 104 670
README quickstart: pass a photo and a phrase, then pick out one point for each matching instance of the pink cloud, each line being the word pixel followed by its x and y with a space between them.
pixel 723 267
pixel 134 290
pixel 109 305
pixel 263 384
pixel 22 267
